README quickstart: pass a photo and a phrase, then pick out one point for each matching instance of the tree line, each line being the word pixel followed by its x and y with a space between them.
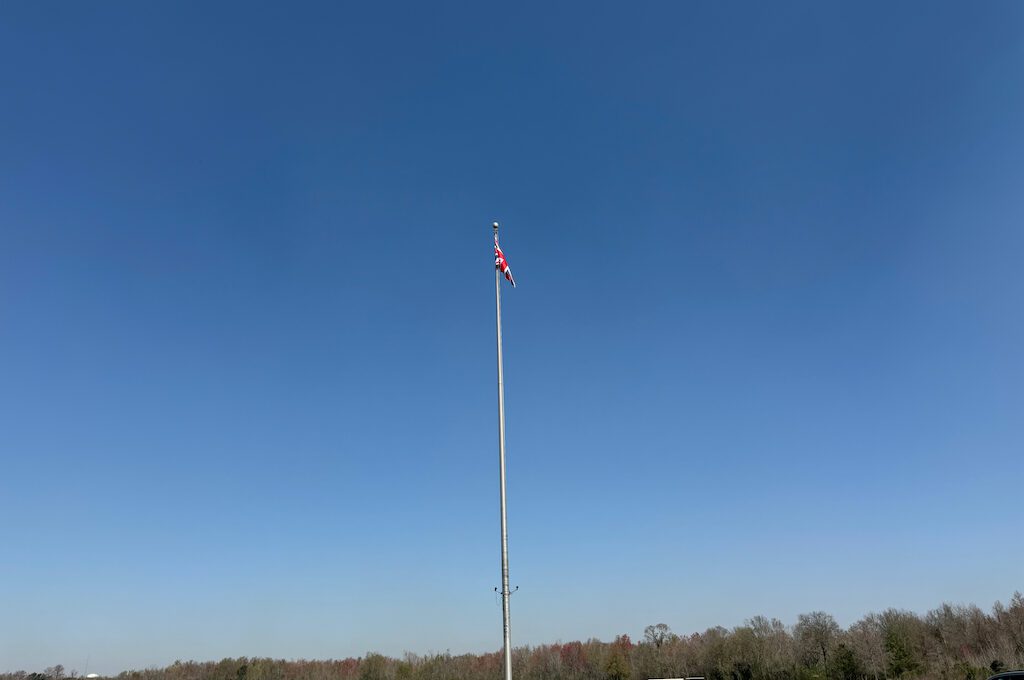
pixel 952 642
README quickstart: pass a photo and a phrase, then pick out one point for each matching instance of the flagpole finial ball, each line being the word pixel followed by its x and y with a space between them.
pixel 495 225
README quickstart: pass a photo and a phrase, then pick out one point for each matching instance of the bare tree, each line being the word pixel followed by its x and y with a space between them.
pixel 867 642
pixel 657 634
pixel 817 631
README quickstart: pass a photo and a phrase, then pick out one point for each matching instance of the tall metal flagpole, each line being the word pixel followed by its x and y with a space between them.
pixel 501 464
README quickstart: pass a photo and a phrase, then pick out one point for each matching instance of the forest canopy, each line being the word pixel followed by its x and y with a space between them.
pixel 960 642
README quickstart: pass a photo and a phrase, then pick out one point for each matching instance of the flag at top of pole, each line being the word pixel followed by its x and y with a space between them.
pixel 501 263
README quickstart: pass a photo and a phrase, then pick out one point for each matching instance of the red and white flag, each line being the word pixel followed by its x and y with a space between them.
pixel 501 263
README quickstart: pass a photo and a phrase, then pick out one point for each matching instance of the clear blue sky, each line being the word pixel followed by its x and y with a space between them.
pixel 766 355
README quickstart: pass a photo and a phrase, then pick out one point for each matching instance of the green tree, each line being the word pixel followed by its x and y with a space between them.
pixel 374 667
pixel 846 665
pixel 901 636
pixel 616 668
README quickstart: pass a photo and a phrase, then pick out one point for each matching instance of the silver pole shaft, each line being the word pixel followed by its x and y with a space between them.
pixel 501 464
